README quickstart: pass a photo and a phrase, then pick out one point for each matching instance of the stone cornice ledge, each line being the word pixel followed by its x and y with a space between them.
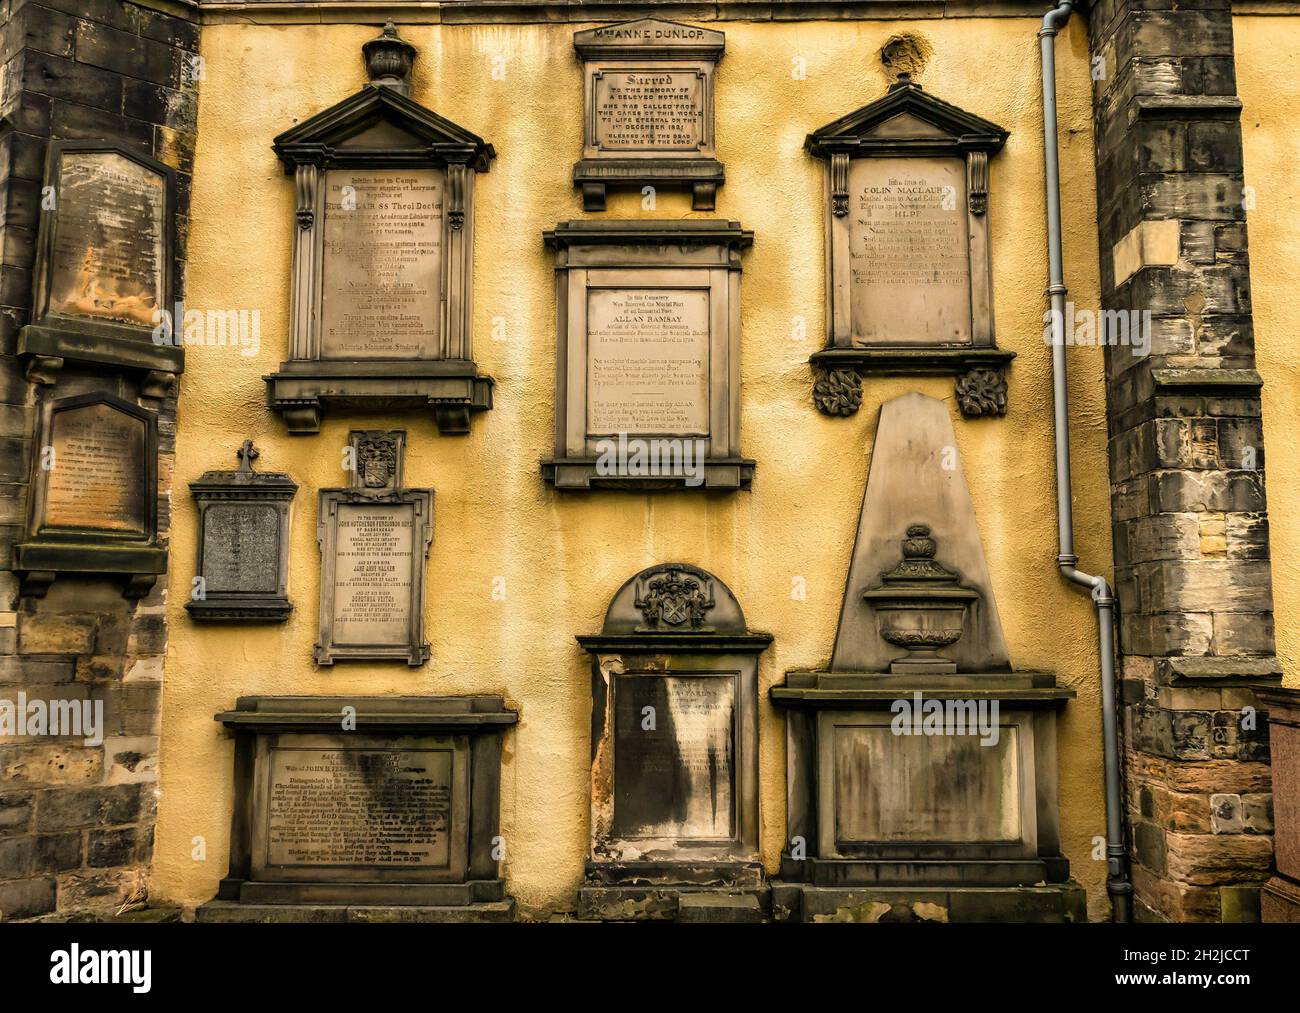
pixel 471 12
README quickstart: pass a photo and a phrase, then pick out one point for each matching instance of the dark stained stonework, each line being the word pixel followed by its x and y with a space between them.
pixel 76 825
pixel 1186 459
pixel 365 809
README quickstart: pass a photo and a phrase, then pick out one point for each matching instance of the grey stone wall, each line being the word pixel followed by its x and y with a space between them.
pixel 1190 517
pixel 76 821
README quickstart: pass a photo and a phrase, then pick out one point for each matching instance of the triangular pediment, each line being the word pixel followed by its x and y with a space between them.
pixel 907 117
pixel 380 121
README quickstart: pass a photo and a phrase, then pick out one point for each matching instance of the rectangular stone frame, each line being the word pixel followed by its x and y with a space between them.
pixel 254 488
pixel 45 552
pixel 600 168
pixel 415 651
pixel 52 338
pixel 472 726
pixel 743 846
pixel 690 253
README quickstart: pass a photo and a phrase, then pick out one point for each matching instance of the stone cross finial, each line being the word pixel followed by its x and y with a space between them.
pixel 247 454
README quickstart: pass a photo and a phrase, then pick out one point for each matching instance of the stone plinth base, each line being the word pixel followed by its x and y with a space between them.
pixel 654 891
pixel 225 911
pixel 1059 902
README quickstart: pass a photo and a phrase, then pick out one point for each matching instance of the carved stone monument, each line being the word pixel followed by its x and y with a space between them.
pixel 648 372
pixel 94 495
pixel 909 283
pixel 243 566
pixel 921 768
pixel 383 256
pixel 104 278
pixel 374 540
pixel 674 753
pixel 365 809
pixel 1279 899
pixel 648 109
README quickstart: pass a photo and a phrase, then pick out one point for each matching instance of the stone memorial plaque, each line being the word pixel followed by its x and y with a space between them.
pixel 380 304
pixel 241 547
pixel 649 109
pixel 901 788
pixel 374 539
pixel 675 779
pixel 372 573
pixel 243 566
pixel 908 251
pixel 97 481
pixel 382 270
pixel 107 257
pixel 399 811
pixel 648 361
pixel 384 808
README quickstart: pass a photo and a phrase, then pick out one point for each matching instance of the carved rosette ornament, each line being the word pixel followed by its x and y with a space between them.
pixel 838 392
pixel 675 599
pixel 982 392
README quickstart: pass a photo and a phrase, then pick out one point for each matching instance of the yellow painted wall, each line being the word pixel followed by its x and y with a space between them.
pixel 1268 81
pixel 563 556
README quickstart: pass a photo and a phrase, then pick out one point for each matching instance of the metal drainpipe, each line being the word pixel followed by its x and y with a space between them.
pixel 1117 881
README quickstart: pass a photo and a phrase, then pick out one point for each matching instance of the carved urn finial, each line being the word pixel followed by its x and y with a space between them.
pixel 920 606
pixel 904 81
pixel 388 60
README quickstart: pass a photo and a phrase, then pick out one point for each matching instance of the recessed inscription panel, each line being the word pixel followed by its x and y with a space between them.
pixel 372 574
pixel 674 764
pixel 384 808
pixel 241 547
pixel 648 361
pixel 903 789
pixel 381 280
pixel 909 261
pixel 107 260
pixel 97 478
pixel 648 109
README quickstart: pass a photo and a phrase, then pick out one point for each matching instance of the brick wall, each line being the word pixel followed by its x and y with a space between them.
pixel 76 821
pixel 1190 518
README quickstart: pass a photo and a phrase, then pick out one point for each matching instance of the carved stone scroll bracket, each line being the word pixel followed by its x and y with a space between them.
pixel 138 585
pixel 981 387
pixel 158 384
pixel 593 196
pixel 977 181
pixel 839 184
pixel 302 418
pixel 982 392
pixel 704 196
pixel 35 583
pixel 838 392
pixel 44 369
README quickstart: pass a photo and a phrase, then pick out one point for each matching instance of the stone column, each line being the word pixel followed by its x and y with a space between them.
pixel 76 820
pixel 1186 458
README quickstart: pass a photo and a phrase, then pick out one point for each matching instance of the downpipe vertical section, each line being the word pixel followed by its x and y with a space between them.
pixel 1118 885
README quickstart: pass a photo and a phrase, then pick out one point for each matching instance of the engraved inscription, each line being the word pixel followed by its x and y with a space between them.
pixel 676 779
pixel 648 110
pixel 106 261
pixel 97 478
pixel 908 251
pixel 648 361
pixel 241 547
pixel 381 280
pixel 376 807
pixel 372 573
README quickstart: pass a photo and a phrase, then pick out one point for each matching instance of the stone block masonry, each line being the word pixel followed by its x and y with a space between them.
pixel 76 820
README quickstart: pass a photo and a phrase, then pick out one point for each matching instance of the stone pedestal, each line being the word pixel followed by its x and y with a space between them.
pixel 922 798
pixel 365 809
pixel 674 754
pixel 1279 900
